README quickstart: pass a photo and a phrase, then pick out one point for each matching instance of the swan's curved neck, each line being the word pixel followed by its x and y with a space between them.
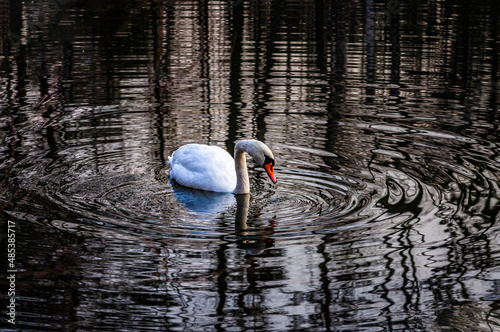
pixel 240 164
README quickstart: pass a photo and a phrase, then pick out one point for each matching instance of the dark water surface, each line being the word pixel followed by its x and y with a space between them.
pixel 382 115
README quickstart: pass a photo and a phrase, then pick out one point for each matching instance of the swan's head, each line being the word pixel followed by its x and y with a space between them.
pixel 261 154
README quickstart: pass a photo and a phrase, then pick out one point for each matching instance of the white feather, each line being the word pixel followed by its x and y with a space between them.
pixel 204 167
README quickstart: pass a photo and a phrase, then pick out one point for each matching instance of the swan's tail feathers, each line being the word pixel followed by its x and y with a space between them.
pixel 169 161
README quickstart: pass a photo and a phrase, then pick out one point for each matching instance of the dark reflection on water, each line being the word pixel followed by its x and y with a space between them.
pixel 383 120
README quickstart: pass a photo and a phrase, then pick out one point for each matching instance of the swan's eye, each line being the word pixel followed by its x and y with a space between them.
pixel 268 160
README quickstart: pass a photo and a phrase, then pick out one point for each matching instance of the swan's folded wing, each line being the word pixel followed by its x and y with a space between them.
pixel 203 167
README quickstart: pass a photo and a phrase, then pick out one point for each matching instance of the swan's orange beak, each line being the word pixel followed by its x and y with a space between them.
pixel 269 167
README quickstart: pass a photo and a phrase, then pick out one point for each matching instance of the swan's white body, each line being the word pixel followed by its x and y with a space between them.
pixel 203 167
pixel 211 168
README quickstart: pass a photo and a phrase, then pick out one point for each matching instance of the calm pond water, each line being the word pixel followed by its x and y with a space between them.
pixel 383 118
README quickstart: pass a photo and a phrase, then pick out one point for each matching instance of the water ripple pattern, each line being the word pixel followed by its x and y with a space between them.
pixel 108 190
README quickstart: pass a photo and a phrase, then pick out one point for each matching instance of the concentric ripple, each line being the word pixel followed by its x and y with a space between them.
pixel 308 201
pixel 148 203
pixel 104 190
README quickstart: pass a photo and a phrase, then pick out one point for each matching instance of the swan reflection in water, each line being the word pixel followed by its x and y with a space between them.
pixel 253 239
pixel 256 240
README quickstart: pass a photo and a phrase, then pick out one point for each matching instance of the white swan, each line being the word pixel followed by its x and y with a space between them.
pixel 211 168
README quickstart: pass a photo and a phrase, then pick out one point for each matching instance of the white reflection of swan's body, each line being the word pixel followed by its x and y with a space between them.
pixel 211 168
